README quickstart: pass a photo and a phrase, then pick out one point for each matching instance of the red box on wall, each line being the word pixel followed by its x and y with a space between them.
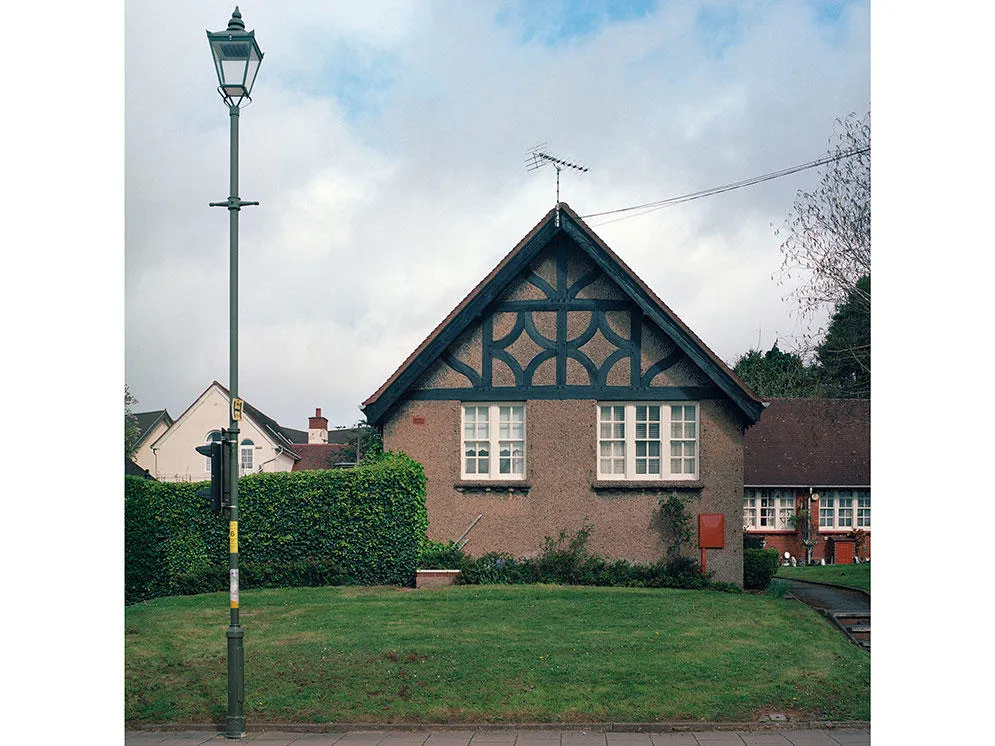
pixel 711 530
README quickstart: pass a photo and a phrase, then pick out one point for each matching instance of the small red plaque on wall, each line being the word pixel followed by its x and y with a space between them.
pixel 418 419
pixel 711 530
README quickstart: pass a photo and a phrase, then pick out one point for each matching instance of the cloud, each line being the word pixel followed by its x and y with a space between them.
pixel 386 145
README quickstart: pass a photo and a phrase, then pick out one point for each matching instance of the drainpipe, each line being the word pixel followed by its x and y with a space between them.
pixel 279 452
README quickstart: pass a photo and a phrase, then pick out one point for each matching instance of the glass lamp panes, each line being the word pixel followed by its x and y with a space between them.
pixel 236 61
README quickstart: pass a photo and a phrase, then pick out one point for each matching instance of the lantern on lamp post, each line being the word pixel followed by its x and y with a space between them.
pixel 236 60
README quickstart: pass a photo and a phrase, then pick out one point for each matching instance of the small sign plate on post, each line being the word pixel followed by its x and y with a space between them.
pixel 236 409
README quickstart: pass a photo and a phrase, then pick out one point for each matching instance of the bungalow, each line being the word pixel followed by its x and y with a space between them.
pixel 807 478
pixel 563 389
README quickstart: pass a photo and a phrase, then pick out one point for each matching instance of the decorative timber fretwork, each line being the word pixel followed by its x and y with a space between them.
pixel 561 317
pixel 563 330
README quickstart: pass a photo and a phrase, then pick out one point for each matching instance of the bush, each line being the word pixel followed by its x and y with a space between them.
pixel 440 555
pixel 362 526
pixel 567 561
pixel 759 566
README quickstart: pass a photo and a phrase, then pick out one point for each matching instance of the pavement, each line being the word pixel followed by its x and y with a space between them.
pixel 849 734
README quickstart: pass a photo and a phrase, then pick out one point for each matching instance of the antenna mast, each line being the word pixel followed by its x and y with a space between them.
pixel 539 157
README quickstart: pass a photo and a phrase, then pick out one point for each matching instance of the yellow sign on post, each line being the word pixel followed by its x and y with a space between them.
pixel 236 409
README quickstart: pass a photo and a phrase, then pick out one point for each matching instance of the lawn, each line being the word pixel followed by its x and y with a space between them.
pixel 475 654
pixel 852 576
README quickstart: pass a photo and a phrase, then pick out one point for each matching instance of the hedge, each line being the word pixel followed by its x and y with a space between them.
pixel 360 526
pixel 759 566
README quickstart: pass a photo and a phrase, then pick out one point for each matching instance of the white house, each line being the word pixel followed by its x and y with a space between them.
pixel 264 445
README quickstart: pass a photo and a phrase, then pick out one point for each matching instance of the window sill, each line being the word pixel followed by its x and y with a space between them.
pixel 645 484
pixel 492 485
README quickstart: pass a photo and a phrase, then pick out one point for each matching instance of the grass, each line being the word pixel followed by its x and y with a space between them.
pixel 492 654
pixel 852 576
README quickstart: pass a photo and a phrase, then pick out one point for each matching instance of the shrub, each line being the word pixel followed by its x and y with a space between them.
pixel 759 566
pixel 675 523
pixel 567 561
pixel 440 555
pixel 361 526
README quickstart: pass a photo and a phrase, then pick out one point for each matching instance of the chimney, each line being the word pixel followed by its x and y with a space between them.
pixel 317 428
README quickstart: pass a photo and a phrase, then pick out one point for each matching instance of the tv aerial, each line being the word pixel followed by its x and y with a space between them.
pixel 540 156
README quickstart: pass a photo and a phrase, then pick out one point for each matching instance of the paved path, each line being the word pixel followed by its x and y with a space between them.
pixel 850 736
pixel 829 597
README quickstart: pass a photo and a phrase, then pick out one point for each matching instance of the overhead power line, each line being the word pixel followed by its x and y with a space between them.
pixel 660 204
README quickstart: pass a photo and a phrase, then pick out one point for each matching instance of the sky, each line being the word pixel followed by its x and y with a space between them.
pixel 386 144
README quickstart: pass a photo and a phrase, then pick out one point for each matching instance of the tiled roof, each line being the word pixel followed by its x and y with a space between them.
pixel 322 456
pixel 342 435
pixel 147 420
pixel 810 442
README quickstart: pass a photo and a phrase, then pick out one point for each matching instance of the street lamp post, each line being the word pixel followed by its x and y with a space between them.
pixel 236 59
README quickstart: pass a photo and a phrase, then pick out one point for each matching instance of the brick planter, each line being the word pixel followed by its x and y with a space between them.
pixel 435 578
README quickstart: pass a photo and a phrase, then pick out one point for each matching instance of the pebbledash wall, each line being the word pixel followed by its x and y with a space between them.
pixel 561 489
pixel 562 327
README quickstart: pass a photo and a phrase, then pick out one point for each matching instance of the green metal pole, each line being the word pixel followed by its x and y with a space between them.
pixel 235 720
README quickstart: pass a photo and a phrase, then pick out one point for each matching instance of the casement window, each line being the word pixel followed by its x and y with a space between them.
pixel 769 510
pixel 646 441
pixel 246 455
pixel 844 509
pixel 493 441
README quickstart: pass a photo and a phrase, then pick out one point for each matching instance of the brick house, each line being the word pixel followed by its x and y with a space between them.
pixel 808 461
pixel 563 389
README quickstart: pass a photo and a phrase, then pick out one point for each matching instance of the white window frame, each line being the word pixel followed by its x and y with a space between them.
pixel 499 433
pixel 844 509
pixel 617 439
pixel 778 510
pixel 246 447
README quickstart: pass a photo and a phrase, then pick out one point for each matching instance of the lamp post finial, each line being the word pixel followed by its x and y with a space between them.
pixel 236 23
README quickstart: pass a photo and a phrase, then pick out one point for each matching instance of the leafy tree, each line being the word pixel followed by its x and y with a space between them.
pixel 777 374
pixel 844 356
pixel 363 441
pixel 131 432
pixel 827 234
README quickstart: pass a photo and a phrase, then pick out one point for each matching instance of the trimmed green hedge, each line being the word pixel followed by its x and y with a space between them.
pixel 361 526
pixel 759 566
